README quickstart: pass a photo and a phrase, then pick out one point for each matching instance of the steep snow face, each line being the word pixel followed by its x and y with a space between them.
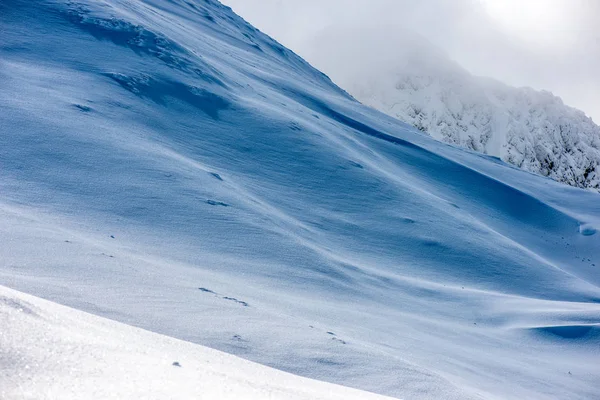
pixel 166 165
pixel 53 352
pixel 418 84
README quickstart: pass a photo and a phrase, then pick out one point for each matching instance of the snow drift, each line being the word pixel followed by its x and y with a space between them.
pixel 166 165
pixel 53 352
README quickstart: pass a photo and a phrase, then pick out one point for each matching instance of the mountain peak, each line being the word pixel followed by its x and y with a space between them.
pixel 420 85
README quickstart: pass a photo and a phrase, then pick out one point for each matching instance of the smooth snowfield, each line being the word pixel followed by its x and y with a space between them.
pixel 166 165
pixel 48 351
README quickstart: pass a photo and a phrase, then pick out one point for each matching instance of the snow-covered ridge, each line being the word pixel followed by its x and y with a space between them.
pixel 530 129
pixel 419 84
pixel 52 352
pixel 166 165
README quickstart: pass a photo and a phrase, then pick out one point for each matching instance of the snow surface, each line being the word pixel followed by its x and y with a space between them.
pixel 419 84
pixel 50 351
pixel 165 165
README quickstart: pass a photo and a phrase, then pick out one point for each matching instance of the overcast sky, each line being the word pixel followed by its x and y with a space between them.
pixel 545 44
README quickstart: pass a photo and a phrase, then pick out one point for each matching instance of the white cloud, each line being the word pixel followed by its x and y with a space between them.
pixel 545 44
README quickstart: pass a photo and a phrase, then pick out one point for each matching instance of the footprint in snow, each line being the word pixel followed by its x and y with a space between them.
pixel 217 176
pixel 82 108
pixel 295 126
pixel 240 302
pixel 243 303
pixel 217 203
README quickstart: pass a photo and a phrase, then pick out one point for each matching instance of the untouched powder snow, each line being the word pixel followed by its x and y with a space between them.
pixel 50 351
pixel 166 165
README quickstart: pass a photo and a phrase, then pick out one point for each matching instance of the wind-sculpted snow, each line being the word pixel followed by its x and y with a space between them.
pixel 166 165
pixel 420 85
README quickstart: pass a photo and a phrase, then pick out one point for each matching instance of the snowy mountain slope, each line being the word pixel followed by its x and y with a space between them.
pixel 420 85
pixel 165 165
pixel 53 352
